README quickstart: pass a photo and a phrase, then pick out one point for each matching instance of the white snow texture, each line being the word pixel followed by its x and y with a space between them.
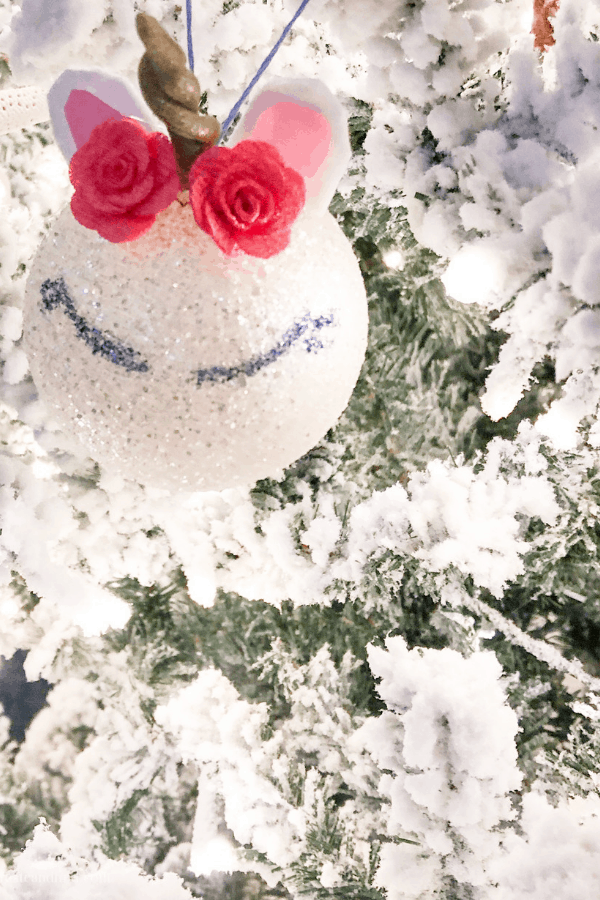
pixel 505 188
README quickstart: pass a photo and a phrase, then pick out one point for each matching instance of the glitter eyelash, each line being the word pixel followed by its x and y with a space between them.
pixel 55 294
pixel 293 335
pixel 304 330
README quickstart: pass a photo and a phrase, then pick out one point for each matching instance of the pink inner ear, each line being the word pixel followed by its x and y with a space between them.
pixel 83 111
pixel 301 134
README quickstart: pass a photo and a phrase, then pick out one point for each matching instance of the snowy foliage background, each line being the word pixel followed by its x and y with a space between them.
pixel 378 675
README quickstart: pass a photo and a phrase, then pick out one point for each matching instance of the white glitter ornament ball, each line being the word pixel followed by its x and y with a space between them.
pixel 180 367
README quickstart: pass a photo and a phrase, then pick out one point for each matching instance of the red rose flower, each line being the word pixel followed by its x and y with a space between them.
pixel 123 176
pixel 246 198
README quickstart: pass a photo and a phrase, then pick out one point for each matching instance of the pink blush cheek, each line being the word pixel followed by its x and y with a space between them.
pixel 175 224
pixel 175 232
pixel 301 134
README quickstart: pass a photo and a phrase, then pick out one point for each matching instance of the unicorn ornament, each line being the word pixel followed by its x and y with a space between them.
pixel 195 319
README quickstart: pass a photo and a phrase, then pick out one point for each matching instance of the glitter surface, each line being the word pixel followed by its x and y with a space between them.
pixel 179 367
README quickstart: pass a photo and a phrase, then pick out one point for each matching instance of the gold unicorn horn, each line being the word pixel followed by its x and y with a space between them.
pixel 173 94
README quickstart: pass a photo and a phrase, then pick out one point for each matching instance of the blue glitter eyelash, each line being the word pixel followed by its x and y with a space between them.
pixel 55 293
pixel 305 329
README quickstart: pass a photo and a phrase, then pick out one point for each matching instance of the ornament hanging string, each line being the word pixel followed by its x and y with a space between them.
pixel 190 46
pixel 266 62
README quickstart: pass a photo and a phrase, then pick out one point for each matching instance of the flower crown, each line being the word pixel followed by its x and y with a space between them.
pixel 245 197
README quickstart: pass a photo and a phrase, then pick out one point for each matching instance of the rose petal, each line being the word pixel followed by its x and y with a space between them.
pixel 86 215
pixel 119 174
pixel 116 229
pixel 265 246
pixel 247 204
pixel 208 164
pixel 160 149
pixel 200 200
pixel 125 157
pixel 166 179
pixel 91 198
pixel 120 201
pixel 223 237
pixel 124 228
pixel 291 201
pixel 235 185
pixel 105 139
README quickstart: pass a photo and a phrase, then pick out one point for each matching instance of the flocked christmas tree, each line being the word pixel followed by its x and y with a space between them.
pixel 376 674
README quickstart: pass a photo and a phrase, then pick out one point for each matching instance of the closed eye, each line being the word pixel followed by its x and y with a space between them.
pixel 55 293
pixel 304 332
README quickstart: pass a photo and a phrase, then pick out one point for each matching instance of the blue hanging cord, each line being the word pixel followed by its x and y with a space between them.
pixel 190 47
pixel 228 121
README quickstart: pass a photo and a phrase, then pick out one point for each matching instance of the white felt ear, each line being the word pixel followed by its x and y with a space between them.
pixel 82 98
pixel 309 127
